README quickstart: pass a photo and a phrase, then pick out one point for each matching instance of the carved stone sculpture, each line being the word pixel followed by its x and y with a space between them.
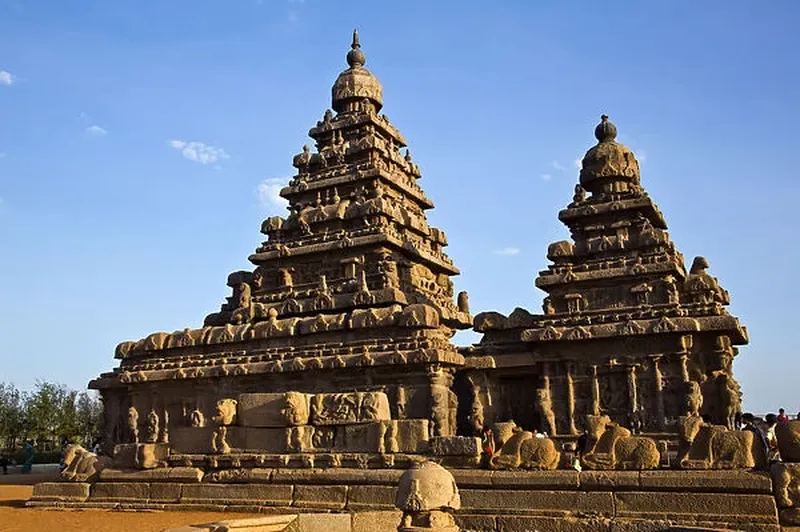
pixel 463 302
pixel 788 435
pixel 81 465
pixel 152 426
pixel 544 406
pixel 524 450
pixel 133 425
pixel 612 447
pixel 427 495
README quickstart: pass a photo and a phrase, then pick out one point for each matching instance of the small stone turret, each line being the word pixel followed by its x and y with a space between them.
pixel 427 494
pixel 608 167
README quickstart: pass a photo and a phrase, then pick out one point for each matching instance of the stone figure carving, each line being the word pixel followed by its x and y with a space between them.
pixel 225 415
pixel 152 426
pixel 463 302
pixel 788 435
pixel 133 425
pixel 476 418
pixel 523 450
pixel 197 419
pixel 547 307
pixel 81 465
pixel 427 495
pixel 163 437
pixel 611 446
pixel 440 410
pixel 701 287
pixel 452 412
pixel 580 194
pixel 347 408
pixel 296 409
pixel 544 407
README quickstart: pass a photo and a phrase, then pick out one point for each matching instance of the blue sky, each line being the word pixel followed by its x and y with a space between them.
pixel 141 142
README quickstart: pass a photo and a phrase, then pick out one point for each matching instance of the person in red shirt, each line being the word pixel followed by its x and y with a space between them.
pixel 782 417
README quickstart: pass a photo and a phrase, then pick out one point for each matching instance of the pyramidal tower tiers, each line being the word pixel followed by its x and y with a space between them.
pixel 338 339
pixel 625 330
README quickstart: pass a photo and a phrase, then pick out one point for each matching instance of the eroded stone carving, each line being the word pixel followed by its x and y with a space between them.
pixel 81 465
pixel 612 447
pixel 348 408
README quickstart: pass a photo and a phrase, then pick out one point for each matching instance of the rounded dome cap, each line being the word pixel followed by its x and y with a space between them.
pixel 356 83
pixel 426 487
pixel 609 166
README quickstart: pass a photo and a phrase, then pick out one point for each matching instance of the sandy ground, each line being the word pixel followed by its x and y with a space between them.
pixel 16 489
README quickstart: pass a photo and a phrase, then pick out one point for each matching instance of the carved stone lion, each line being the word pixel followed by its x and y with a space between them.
pixel 613 447
pixel 81 465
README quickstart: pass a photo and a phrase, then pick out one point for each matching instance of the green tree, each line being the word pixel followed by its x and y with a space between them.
pixel 50 413
pixel 12 415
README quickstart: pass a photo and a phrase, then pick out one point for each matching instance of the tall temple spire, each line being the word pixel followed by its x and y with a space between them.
pixel 605 130
pixel 355 57
pixel 356 84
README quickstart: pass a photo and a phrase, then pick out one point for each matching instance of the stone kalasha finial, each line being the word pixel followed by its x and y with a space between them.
pixel 355 57
pixel 605 130
pixel 427 494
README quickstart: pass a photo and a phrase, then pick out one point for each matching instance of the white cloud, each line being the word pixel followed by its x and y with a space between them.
pixel 269 192
pixel 7 78
pixel 199 152
pixel 96 131
pixel 506 251
pixel 557 166
pixel 547 177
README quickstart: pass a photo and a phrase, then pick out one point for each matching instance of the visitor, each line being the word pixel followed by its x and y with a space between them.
pixel 773 454
pixel 749 424
pixel 583 441
pixel 798 416
pixel 782 417
pixel 487 447
pixel 27 466
pixel 4 463
pixel 737 421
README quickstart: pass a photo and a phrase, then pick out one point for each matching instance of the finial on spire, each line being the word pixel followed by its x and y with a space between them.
pixel 355 57
pixel 605 130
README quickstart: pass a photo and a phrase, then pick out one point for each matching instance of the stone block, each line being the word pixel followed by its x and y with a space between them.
pixel 125 456
pixel 268 440
pixel 745 508
pixel 326 522
pixel 273 409
pixel 115 491
pixel 558 480
pixel 323 497
pixel 363 438
pixel 61 491
pixel 609 480
pixel 166 492
pixel 788 435
pixel 786 482
pixel 476 523
pixel 456 446
pixel 375 521
pixel 151 455
pixel 299 439
pixel 272 523
pixel 554 524
pixel 502 501
pixel 191 440
pixel 412 435
pixel 704 481
pixel 265 494
pixel 371 497
pixel 349 408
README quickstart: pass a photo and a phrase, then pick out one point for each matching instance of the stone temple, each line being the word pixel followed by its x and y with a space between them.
pixel 330 369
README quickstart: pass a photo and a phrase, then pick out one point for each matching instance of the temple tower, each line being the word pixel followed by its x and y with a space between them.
pixel 624 327
pixel 351 292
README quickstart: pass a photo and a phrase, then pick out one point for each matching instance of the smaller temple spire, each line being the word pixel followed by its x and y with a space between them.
pixel 605 130
pixel 355 57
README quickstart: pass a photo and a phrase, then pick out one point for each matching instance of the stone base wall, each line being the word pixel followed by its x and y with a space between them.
pixel 612 501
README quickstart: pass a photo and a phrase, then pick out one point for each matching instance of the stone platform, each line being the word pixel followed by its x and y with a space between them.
pixel 491 500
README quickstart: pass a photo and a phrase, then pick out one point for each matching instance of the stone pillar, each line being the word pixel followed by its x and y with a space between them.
pixel 684 361
pixel 595 392
pixel 659 392
pixel 633 395
pixel 441 400
pixel 570 397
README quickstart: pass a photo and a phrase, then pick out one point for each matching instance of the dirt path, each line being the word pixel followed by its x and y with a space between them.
pixel 16 489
